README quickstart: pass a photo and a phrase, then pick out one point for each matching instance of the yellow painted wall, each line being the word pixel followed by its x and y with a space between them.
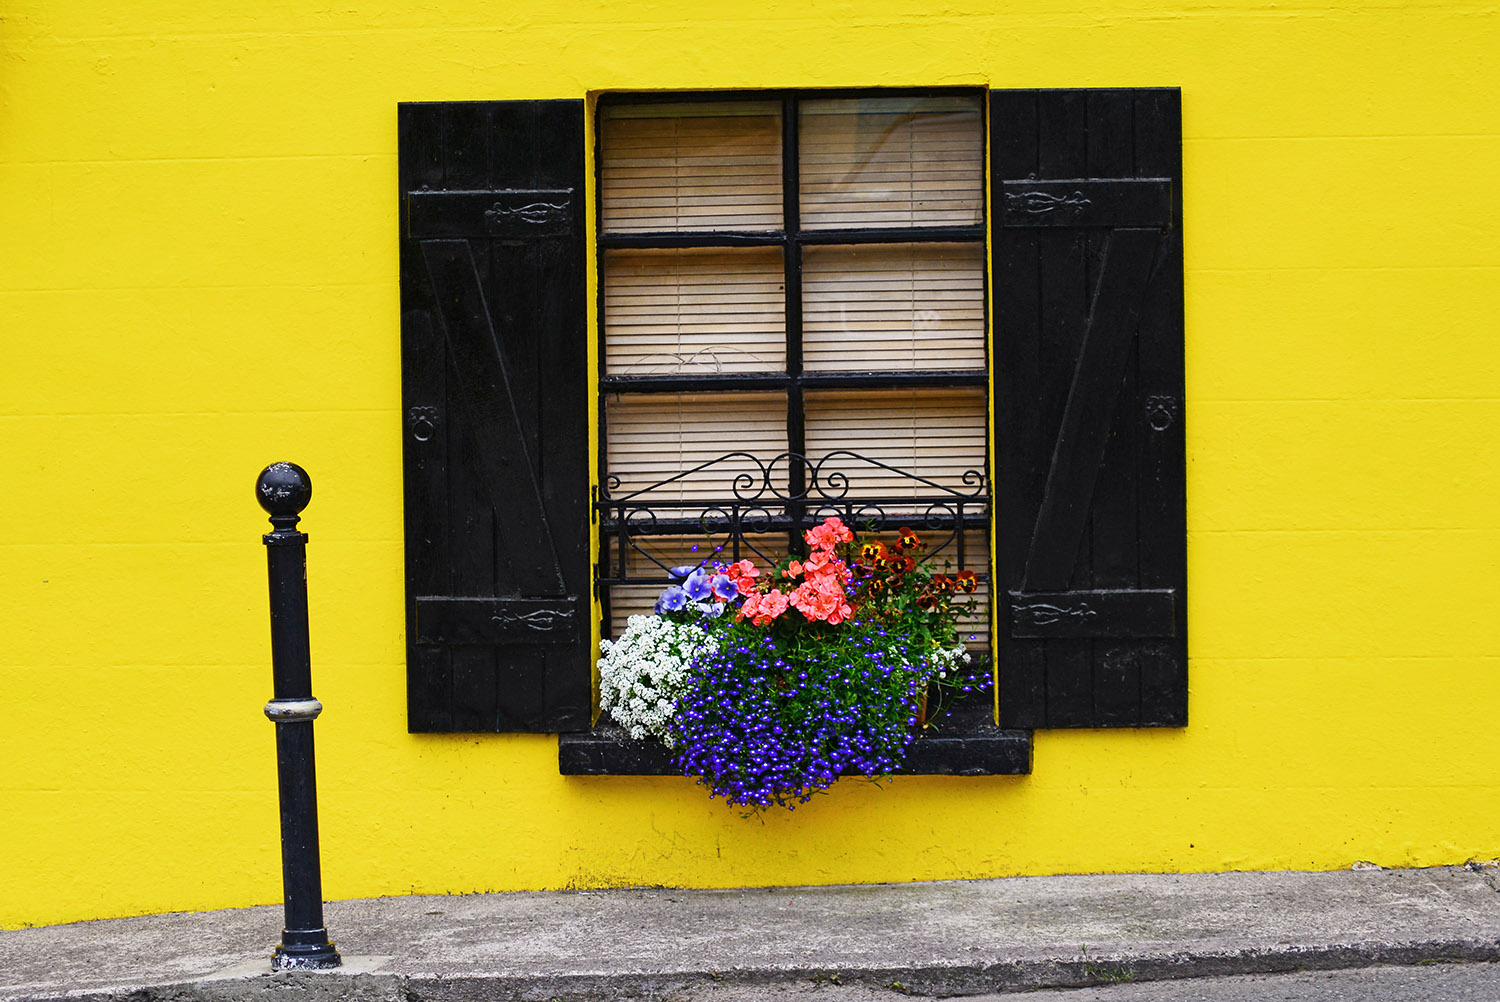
pixel 198 276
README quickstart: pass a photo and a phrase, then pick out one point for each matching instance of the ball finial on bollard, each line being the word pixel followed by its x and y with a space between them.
pixel 283 490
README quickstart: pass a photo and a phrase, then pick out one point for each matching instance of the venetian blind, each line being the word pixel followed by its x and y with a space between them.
pixel 684 167
pixel 893 307
pixel 891 161
pixel 694 311
pixel 974 626
pixel 937 434
pixel 654 437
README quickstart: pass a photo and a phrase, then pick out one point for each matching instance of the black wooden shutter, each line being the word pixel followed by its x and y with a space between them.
pixel 1089 488
pixel 494 369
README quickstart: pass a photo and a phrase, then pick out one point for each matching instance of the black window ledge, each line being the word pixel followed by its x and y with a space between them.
pixel 965 743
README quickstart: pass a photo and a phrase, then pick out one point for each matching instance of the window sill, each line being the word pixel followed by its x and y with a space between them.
pixel 967 743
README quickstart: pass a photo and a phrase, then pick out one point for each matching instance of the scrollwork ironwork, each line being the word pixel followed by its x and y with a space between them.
pixel 752 498
pixel 822 480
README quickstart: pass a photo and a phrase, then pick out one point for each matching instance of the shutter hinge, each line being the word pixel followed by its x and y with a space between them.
pixel 594 510
pixel 595 579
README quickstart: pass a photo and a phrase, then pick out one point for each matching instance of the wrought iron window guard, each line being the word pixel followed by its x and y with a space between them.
pixel 782 496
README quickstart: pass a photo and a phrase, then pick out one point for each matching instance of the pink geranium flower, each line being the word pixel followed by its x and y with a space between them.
pixel 829 534
pixel 742 574
pixel 762 609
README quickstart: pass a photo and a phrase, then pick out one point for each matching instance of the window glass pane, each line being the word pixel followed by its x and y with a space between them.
pixel 697 311
pixel 891 161
pixel 654 437
pixel 709 166
pixel 893 307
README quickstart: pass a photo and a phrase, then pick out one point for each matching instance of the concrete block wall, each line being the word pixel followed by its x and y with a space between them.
pixel 198 277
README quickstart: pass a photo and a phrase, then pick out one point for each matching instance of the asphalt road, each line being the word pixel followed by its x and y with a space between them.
pixel 1422 983
pixel 1433 982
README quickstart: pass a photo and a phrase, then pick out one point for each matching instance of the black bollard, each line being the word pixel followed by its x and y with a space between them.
pixel 283 491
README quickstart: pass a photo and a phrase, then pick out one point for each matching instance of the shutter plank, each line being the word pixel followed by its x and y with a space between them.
pixel 474 701
pixel 1066 283
pixel 1021 668
pixel 424 393
pixel 1112 516
pixel 1159 399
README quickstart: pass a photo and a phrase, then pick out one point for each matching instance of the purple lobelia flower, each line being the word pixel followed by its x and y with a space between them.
pixel 765 722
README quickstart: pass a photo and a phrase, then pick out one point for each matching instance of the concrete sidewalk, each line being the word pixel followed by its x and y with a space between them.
pixel 935 939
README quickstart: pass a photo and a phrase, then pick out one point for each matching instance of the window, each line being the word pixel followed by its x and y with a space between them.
pixel 775 250
pixel 793 320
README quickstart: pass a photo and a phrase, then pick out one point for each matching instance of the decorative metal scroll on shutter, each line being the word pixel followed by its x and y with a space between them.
pixel 1089 489
pixel 494 379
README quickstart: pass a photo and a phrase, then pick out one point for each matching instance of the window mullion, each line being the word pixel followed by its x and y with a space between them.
pixel 796 435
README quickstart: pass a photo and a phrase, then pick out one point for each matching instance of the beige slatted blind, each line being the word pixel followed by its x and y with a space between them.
pixel 939 434
pixel 893 307
pixel 694 311
pixel 891 161
pixel 655 436
pixel 974 629
pixel 631 600
pixel 710 166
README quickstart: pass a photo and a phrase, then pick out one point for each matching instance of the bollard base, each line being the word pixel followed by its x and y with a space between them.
pixel 304 950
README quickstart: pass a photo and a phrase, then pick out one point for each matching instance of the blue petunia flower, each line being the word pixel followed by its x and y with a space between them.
pixel 672 599
pixel 697 586
pixel 723 587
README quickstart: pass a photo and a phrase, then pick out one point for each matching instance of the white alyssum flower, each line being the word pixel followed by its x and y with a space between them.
pixel 936 663
pixel 946 659
pixel 642 674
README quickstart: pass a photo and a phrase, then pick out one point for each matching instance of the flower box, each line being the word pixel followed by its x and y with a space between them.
pixel 770 684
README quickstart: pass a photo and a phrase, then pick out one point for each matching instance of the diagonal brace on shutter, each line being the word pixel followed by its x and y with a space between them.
pixel 1089 413
pixel 484 385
